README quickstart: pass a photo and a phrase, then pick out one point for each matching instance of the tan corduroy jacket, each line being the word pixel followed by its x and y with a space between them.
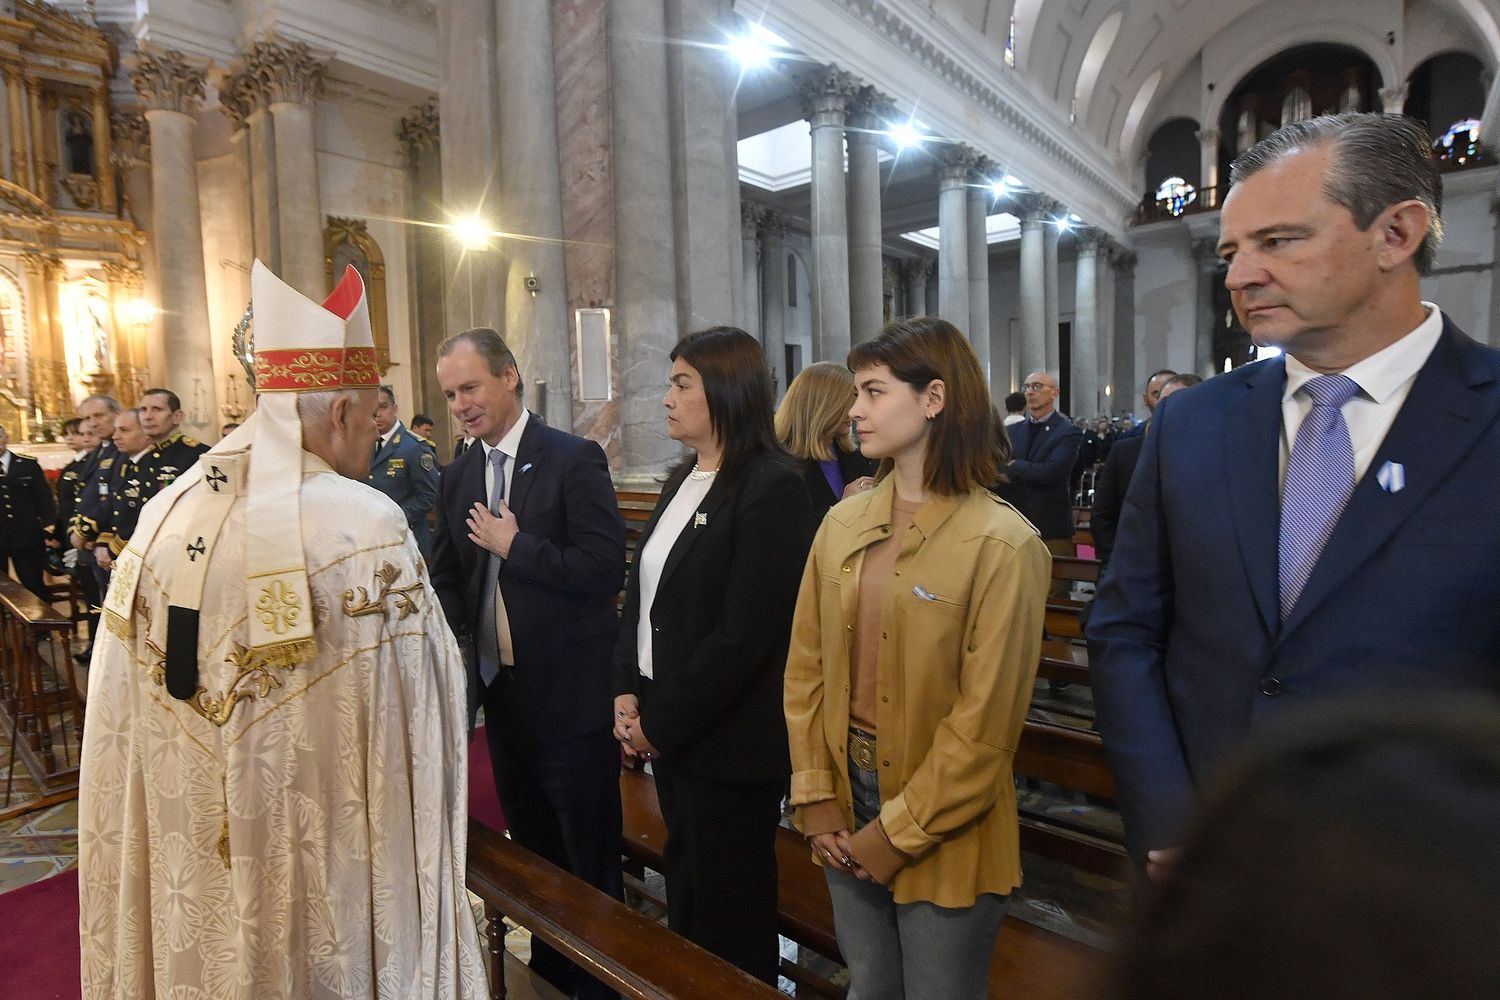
pixel 961 630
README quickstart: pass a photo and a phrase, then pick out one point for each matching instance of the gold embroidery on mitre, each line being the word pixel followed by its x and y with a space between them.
pixel 278 607
pixel 357 602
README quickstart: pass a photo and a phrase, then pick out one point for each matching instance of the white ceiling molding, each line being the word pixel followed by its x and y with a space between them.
pixel 964 93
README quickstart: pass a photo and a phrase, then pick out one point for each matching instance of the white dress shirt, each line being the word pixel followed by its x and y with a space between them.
pixel 653 555
pixel 508 445
pixel 1385 379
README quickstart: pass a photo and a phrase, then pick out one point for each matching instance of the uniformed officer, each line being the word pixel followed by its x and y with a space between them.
pixel 173 452
pixel 26 510
pixel 127 482
pixel 404 468
pixel 71 486
pixel 421 428
pixel 98 414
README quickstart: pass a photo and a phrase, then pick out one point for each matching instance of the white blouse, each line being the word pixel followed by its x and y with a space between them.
pixel 653 555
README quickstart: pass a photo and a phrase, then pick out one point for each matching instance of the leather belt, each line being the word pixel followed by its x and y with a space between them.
pixel 862 749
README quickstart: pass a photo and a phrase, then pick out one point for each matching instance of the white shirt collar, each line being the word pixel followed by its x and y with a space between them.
pixel 385 438
pixel 512 439
pixel 138 455
pixel 1385 371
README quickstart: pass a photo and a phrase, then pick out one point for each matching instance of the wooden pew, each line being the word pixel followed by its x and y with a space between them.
pixel 622 948
pixel 27 702
pixel 1028 962
pixel 1064 661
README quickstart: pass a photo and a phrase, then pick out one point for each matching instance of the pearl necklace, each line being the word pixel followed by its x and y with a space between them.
pixel 701 474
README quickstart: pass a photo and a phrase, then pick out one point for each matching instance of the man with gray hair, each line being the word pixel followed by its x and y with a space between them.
pixel 1318 524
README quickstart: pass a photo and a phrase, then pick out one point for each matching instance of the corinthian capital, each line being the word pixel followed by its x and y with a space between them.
pixel 871 109
pixel 420 130
pixel 955 164
pixel 825 95
pixel 167 81
pixel 1034 209
pixel 130 138
pixel 274 72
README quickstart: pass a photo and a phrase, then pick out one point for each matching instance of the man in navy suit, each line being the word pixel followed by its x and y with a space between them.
pixel 528 557
pixel 1318 524
pixel 1045 446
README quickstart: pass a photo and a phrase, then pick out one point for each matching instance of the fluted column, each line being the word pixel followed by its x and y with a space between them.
pixel 1051 234
pixel 976 235
pixel 868 113
pixel 530 180
pixel 1085 353
pixel 646 316
pixel 751 216
pixel 826 95
pixel 954 165
pixel 916 271
pixel 1033 211
pixel 1208 164
pixel 773 335
pixel 1123 375
pixel 172 89
pixel 1206 262
pixel 1393 99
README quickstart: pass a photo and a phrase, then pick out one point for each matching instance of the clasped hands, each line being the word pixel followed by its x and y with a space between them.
pixel 493 532
pixel 837 850
pixel 628 728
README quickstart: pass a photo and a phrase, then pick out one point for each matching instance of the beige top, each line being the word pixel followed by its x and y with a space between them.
pixel 874 574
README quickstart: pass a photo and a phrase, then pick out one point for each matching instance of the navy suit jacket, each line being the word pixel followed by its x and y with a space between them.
pixel 1045 468
pixel 1186 649
pixel 559 583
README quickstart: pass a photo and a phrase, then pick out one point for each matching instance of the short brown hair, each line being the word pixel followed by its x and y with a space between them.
pixel 814 415
pixel 961 445
pixel 490 346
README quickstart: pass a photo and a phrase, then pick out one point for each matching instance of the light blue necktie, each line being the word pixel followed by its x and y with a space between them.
pixel 1319 482
pixel 489 636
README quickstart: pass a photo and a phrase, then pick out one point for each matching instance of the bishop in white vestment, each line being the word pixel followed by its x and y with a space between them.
pixel 273 799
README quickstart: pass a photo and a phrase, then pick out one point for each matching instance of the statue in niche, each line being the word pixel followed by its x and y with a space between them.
pixel 78 139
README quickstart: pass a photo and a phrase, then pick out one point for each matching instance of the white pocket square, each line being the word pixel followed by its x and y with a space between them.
pixel 525 468
pixel 1391 477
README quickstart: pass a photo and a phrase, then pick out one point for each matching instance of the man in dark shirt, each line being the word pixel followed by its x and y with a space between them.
pixel 26 511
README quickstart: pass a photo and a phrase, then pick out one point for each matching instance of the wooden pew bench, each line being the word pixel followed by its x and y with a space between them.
pixel 28 702
pixel 626 950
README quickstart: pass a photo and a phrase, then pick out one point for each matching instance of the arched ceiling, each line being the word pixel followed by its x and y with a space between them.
pixel 1111 63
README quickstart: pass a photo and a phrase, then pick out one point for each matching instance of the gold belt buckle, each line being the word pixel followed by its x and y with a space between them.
pixel 862 750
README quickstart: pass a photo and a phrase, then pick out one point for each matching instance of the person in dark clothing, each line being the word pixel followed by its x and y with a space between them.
pixel 813 423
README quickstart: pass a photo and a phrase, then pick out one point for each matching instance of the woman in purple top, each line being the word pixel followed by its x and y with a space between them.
pixel 813 423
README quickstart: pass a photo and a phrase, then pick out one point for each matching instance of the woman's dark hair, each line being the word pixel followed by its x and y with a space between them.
pixel 961 444
pixel 1351 852
pixel 737 385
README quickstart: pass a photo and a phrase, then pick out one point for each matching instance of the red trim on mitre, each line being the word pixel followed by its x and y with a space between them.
pixel 342 300
pixel 316 369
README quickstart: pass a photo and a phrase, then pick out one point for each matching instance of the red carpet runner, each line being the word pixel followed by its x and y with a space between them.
pixel 39 942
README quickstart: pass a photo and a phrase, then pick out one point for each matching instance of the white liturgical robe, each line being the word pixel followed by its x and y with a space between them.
pixel 290 831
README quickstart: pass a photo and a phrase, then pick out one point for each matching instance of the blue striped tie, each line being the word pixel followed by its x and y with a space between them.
pixel 489 635
pixel 1319 482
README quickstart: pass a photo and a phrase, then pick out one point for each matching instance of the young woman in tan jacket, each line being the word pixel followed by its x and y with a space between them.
pixel 913 653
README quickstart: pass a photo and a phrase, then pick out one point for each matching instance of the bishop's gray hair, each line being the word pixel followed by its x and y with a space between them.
pixel 315 406
pixel 1378 160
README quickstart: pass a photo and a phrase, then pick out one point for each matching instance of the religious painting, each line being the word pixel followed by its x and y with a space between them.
pixel 348 241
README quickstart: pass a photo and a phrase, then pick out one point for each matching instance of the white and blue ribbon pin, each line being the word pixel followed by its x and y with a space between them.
pixel 1391 477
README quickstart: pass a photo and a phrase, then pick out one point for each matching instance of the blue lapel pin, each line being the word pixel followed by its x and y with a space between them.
pixel 1391 477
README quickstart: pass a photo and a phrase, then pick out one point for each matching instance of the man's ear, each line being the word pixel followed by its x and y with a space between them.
pixel 338 415
pixel 1401 228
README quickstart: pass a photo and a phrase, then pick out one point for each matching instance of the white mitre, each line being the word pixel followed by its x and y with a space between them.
pixel 300 346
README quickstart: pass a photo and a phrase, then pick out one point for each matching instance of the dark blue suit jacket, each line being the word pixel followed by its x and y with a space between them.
pixel 1045 468
pixel 1185 645
pixel 565 569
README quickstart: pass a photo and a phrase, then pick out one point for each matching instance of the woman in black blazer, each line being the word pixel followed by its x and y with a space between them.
pixel 813 423
pixel 703 643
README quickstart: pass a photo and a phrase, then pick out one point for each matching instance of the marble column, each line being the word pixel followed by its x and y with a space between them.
pixel 1206 263
pixel 954 164
pixel 702 79
pixel 15 98
pixel 1208 166
pixel 41 176
pixel 751 216
pixel 1123 373
pixel 530 181
pixel 1393 99
pixel 132 149
pixel 245 100
pixel 1034 211
pixel 647 324
pixel 469 105
pixel 773 331
pixel 826 93
pixel 420 135
pixel 916 272
pixel 293 75
pixel 1085 353
pixel 869 112
pixel 977 249
pixel 171 88
pixel 1051 234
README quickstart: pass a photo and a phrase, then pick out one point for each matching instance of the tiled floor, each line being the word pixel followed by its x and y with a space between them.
pixel 38 845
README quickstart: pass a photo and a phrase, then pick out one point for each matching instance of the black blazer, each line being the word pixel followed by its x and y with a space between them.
pixel 1044 466
pixel 852 465
pixel 26 507
pixel 721 621
pixel 1109 492
pixel 559 583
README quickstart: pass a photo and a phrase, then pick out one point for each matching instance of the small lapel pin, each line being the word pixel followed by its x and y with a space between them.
pixel 1391 477
pixel 526 467
pixel 700 520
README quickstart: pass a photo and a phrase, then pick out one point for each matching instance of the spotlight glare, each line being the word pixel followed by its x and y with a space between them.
pixel 471 232
pixel 750 53
pixel 905 134
pixel 1063 225
pixel 1000 187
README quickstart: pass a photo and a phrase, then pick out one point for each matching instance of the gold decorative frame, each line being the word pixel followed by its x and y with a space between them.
pixel 360 249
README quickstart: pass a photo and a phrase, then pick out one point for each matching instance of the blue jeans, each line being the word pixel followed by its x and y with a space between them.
pixel 900 950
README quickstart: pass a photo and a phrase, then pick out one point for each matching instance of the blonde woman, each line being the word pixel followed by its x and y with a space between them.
pixel 914 649
pixel 813 423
